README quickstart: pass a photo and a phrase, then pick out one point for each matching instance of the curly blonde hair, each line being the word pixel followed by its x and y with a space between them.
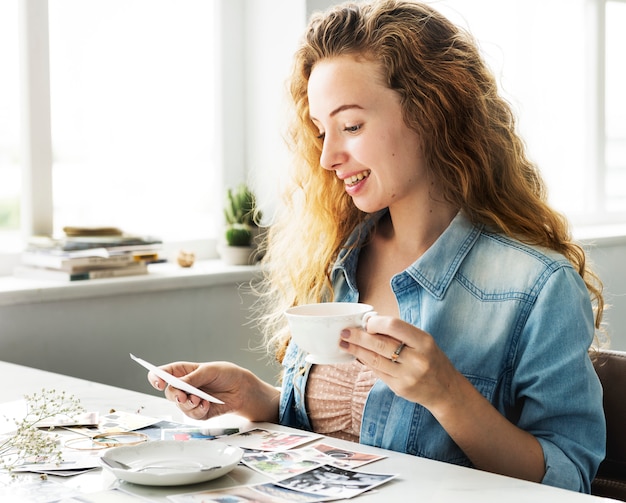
pixel 450 98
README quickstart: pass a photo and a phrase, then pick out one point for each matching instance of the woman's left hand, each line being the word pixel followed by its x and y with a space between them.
pixel 423 374
pixel 406 358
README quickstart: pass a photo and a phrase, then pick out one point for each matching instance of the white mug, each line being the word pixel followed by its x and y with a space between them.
pixel 316 328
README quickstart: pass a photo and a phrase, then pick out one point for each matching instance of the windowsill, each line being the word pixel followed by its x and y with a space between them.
pixel 600 235
pixel 204 273
pixel 168 276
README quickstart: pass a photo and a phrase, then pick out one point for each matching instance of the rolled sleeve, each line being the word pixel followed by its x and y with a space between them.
pixel 561 471
pixel 558 386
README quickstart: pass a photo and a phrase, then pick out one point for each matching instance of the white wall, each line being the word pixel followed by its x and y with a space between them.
pixel 607 260
pixel 92 337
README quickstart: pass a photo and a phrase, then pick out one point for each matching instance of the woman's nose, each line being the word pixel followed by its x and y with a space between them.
pixel 333 153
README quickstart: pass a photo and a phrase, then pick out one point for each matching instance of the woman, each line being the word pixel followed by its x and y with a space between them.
pixel 412 192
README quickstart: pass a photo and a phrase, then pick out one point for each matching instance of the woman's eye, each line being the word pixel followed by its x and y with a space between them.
pixel 321 136
pixel 352 129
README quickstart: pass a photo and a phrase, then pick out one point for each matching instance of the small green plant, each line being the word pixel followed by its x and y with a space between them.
pixel 29 443
pixel 238 235
pixel 241 214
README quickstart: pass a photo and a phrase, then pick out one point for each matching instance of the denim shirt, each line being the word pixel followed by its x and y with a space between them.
pixel 515 320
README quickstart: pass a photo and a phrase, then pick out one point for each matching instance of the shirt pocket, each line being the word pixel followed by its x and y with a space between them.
pixel 427 437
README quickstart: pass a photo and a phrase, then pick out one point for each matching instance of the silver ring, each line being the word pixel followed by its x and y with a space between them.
pixel 396 353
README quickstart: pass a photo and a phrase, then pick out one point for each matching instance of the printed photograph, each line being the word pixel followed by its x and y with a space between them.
pixel 279 465
pixel 345 458
pixel 335 482
pixel 270 440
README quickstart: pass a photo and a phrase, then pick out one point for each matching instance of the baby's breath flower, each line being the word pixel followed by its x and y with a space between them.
pixel 31 444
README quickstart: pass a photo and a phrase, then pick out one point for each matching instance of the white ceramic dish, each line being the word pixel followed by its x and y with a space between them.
pixel 177 462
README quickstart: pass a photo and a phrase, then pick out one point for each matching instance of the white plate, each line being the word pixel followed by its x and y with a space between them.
pixel 181 459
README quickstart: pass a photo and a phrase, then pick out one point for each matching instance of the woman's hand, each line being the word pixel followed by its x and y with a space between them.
pixel 406 358
pixel 423 374
pixel 241 391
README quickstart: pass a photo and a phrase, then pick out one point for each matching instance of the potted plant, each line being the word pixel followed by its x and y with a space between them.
pixel 241 215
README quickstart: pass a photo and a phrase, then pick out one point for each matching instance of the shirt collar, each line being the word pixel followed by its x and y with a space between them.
pixel 434 270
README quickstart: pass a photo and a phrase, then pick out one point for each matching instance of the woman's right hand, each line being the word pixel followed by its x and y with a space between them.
pixel 242 392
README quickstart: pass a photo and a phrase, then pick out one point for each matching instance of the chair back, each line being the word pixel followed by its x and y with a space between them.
pixel 610 481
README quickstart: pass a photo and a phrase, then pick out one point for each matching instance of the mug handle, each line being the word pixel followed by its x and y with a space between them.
pixel 366 318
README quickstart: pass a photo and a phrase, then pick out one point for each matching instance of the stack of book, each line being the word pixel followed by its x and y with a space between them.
pixel 88 253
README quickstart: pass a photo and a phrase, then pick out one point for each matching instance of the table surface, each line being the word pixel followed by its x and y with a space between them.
pixel 418 479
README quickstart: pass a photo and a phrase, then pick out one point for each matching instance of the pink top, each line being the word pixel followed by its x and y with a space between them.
pixel 335 398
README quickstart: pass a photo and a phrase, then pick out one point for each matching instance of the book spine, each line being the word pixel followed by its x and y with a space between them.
pixel 76 264
pixel 33 272
pixel 90 263
pixel 130 270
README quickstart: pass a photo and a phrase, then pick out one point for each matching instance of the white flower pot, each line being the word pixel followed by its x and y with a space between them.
pixel 237 255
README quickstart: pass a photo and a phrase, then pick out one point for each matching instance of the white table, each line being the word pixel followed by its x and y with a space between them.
pixel 419 479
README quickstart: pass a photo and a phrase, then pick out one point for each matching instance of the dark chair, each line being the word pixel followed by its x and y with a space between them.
pixel 610 481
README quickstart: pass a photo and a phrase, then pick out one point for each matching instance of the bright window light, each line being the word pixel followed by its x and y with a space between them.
pixel 10 176
pixel 615 107
pixel 133 115
pixel 536 48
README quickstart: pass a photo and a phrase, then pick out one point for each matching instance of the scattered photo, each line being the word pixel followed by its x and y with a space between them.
pixel 155 431
pixel 279 465
pixel 124 421
pixel 284 494
pixel 73 463
pixel 116 422
pixel 334 482
pixel 170 430
pixel 38 491
pixel 115 495
pixel 344 458
pixel 182 434
pixel 270 440
pixel 61 421
pixel 265 493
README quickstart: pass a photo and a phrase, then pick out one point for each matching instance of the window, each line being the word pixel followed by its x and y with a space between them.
pixel 132 100
pixel 615 183
pixel 132 115
pixel 566 89
pixel 9 122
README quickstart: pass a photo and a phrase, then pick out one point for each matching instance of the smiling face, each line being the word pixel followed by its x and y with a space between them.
pixel 366 141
